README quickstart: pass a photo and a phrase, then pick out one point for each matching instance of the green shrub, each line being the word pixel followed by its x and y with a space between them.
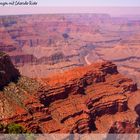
pixel 1 127
pixel 15 128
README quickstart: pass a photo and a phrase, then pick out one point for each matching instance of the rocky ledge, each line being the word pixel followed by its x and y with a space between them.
pixel 87 99
pixel 79 97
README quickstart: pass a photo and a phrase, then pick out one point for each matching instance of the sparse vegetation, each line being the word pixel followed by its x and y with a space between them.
pixel 1 127
pixel 15 128
pixel 18 90
pixel 2 53
pixel 28 84
pixel 12 128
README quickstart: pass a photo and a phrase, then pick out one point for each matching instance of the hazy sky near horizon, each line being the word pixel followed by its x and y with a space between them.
pixel 62 3
pixel 113 7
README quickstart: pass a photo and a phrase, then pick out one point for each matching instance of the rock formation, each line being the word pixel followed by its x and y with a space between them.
pixel 57 42
pixel 124 127
pixel 8 72
pixel 87 99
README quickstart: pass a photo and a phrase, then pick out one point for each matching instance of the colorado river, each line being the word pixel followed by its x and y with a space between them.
pixel 86 59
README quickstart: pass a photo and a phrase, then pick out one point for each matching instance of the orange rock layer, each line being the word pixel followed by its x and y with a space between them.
pixel 81 100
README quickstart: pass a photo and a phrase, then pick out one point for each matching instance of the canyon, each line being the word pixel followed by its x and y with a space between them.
pixel 51 43
pixel 89 99
pixel 70 73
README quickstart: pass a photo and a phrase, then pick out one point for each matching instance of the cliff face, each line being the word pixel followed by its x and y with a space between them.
pixel 64 41
pixel 8 72
pixel 82 100
pixel 124 127
pixel 80 97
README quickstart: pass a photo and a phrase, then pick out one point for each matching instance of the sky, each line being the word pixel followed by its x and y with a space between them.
pixel 82 3
pixel 113 7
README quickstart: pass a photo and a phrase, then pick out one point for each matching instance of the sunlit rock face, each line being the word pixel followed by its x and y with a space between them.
pixel 81 100
pixel 65 91
pixel 48 44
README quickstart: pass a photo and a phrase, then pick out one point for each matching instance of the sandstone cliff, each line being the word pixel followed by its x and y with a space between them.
pixel 56 42
pixel 82 100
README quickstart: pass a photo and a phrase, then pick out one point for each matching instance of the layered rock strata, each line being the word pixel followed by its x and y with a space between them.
pixel 83 100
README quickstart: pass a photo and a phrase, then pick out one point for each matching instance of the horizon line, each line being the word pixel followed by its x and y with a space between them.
pixel 111 10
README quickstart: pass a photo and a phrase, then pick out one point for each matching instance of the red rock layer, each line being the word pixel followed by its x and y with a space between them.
pixel 82 100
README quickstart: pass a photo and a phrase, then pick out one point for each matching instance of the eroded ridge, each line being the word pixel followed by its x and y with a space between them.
pixel 82 100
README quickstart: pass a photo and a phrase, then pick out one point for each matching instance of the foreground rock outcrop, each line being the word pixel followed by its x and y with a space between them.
pixel 8 72
pixel 87 99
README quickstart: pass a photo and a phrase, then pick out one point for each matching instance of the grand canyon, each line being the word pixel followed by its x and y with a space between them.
pixel 53 43
pixel 70 73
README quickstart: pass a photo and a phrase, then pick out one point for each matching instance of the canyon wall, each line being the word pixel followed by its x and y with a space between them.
pixel 49 43
pixel 82 100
